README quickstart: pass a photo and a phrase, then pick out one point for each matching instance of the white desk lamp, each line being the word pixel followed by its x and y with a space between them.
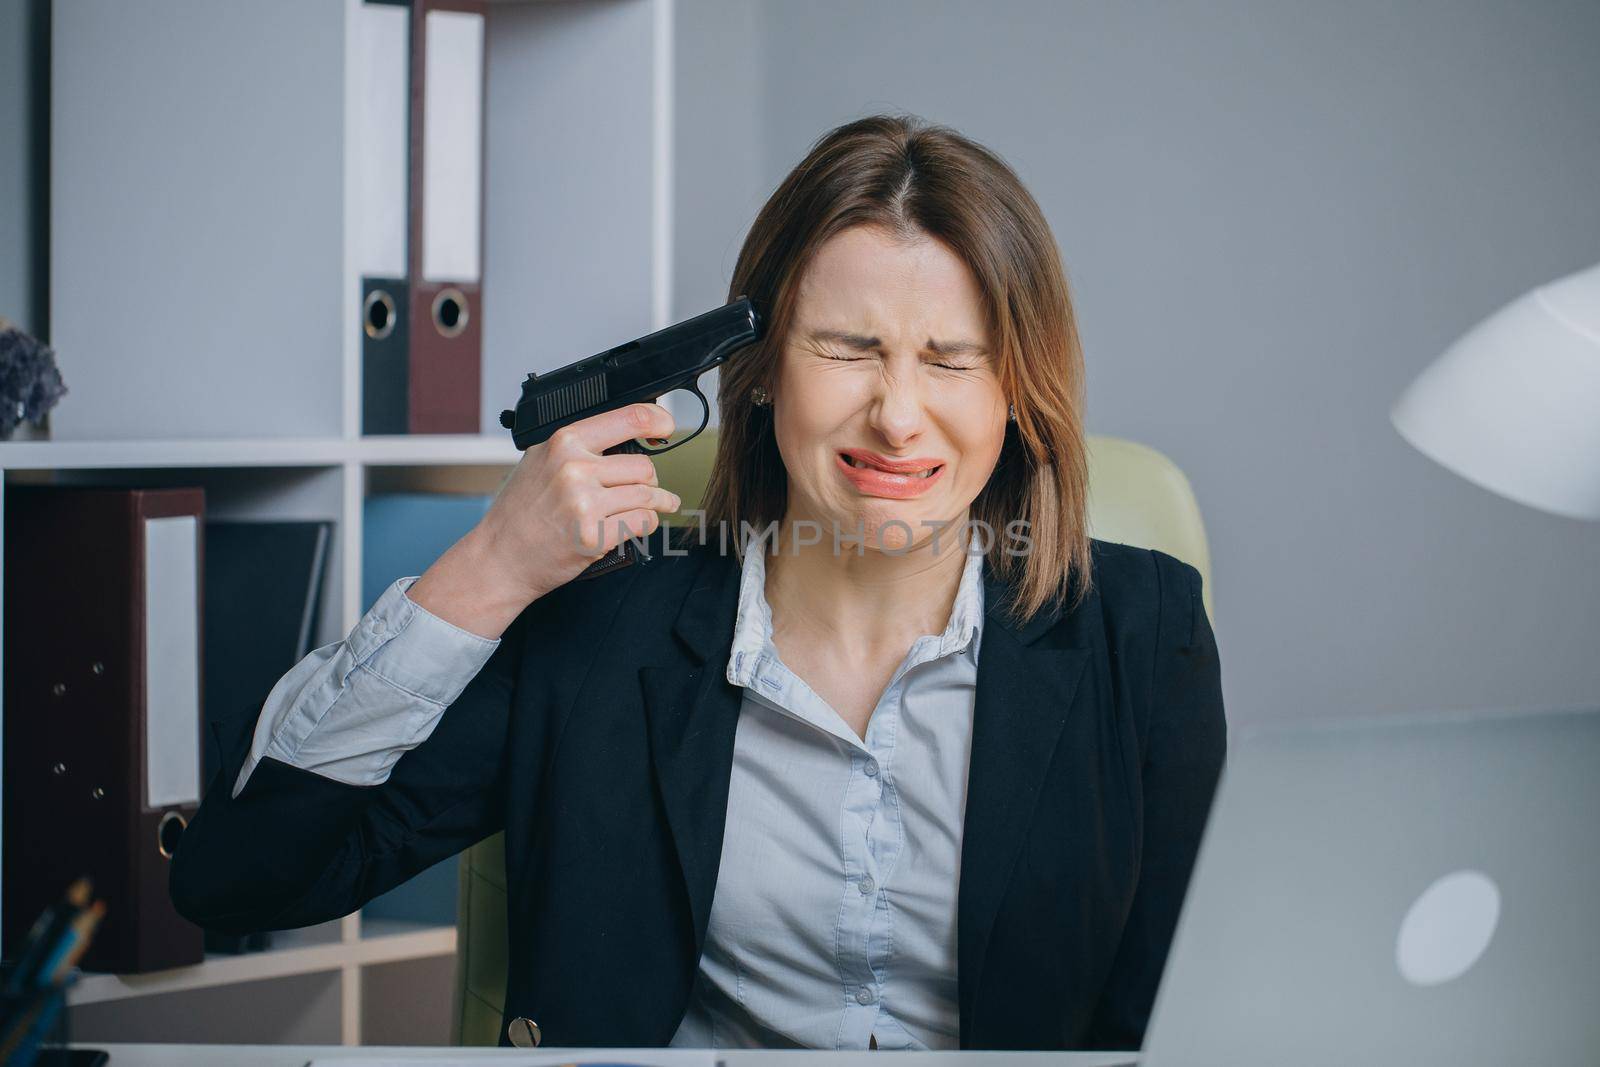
pixel 1514 405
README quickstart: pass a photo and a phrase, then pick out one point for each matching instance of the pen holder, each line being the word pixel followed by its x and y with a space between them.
pixel 33 1023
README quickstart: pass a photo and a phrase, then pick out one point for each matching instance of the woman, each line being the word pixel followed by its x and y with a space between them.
pixel 938 785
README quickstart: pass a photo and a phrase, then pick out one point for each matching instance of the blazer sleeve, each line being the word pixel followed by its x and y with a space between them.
pixel 1184 746
pixel 295 848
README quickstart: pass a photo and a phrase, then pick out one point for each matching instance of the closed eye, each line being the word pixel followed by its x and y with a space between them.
pixel 857 359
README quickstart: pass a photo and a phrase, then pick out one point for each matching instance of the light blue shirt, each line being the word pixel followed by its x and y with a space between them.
pixel 833 923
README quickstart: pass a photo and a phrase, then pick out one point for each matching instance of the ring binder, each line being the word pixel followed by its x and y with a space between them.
pixel 380 147
pixel 102 736
pixel 445 255
pixel 385 357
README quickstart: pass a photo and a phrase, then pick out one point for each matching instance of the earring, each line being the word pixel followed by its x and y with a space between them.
pixel 1012 417
pixel 760 397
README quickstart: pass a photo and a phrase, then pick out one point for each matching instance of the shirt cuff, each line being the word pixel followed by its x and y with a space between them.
pixel 350 710
pixel 414 650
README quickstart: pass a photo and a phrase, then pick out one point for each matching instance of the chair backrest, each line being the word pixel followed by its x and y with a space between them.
pixel 1137 496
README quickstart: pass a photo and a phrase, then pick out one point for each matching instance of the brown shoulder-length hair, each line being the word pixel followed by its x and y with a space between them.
pixel 918 180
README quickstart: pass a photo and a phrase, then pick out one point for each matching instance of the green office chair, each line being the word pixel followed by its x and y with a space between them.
pixel 1137 496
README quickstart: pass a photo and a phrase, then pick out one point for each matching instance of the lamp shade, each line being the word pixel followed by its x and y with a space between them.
pixel 1514 405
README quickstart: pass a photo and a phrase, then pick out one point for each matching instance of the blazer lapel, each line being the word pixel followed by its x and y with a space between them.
pixel 1024 690
pixel 692 712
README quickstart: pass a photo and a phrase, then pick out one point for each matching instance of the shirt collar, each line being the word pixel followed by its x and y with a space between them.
pixel 752 628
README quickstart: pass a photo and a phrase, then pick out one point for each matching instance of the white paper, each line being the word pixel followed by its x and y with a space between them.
pixel 171 662
pixel 452 147
pixel 380 142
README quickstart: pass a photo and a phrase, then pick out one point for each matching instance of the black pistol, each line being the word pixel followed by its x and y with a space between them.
pixel 641 370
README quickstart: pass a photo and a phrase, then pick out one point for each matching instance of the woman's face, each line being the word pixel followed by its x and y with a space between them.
pixel 888 361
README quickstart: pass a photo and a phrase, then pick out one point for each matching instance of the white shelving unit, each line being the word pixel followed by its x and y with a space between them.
pixel 439 450
pixel 265 478
pixel 205 304
pixel 388 943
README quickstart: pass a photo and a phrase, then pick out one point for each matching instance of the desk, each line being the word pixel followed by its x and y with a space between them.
pixel 298 1055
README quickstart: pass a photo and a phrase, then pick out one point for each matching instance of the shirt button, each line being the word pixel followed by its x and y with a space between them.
pixel 866 885
pixel 871 768
pixel 864 995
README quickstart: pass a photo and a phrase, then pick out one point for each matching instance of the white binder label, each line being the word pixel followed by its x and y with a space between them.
pixel 383 80
pixel 452 146
pixel 171 661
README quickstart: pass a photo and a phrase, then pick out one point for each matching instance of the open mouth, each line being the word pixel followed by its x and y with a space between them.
pixel 860 464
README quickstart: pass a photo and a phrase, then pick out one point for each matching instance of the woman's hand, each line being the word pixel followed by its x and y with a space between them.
pixel 564 507
pixel 567 505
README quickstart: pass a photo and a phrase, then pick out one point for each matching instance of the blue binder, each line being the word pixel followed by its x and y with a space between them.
pixel 402 535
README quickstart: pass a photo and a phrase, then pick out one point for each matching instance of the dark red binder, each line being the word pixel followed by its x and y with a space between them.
pixel 445 252
pixel 103 718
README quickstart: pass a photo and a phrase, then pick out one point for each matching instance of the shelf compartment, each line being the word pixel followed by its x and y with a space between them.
pixel 383 943
pixel 399 450
pixel 293 1009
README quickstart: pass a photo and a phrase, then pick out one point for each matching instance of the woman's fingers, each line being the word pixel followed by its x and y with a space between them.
pixel 630 511
pixel 624 498
pixel 637 524
pixel 626 468
pixel 629 422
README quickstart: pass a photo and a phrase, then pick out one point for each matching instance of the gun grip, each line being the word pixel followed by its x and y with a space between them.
pixel 614 560
pixel 623 554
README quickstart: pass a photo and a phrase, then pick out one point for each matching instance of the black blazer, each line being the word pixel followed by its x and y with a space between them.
pixel 600 737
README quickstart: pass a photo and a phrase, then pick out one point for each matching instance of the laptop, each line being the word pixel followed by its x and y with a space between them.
pixel 1412 890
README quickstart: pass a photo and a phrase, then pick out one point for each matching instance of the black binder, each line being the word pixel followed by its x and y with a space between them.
pixel 263 596
pixel 385 356
pixel 380 147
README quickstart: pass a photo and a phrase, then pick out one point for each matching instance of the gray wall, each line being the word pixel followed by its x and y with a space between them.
pixel 170 241
pixel 24 161
pixel 1274 215
pixel 561 275
pixel 724 169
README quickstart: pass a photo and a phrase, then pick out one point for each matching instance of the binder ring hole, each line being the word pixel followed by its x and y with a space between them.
pixel 378 314
pixel 450 312
pixel 168 832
